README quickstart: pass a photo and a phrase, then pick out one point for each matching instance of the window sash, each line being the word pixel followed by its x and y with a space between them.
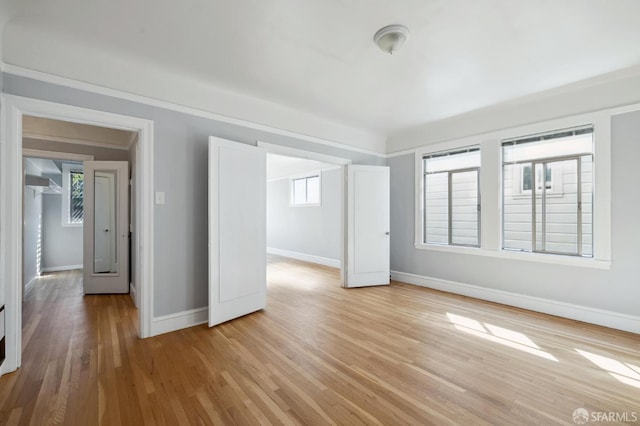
pixel 544 162
pixel 450 207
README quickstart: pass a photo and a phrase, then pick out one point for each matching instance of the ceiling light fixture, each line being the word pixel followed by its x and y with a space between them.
pixel 391 38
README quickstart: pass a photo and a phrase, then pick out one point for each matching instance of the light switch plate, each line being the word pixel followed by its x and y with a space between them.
pixel 159 197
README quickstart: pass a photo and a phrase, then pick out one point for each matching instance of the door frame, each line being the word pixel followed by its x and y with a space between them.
pixel 325 158
pixel 11 171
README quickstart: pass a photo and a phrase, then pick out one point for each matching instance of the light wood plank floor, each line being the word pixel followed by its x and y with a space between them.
pixel 318 354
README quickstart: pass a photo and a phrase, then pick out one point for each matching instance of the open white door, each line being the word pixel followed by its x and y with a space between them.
pixel 237 230
pixel 367 226
pixel 106 227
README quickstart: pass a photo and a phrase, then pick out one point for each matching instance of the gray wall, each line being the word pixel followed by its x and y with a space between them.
pixel 616 289
pixel 180 170
pixel 32 230
pixel 312 230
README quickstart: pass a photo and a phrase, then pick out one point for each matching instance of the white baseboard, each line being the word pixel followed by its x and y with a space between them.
pixel 29 286
pixel 132 294
pixel 179 320
pixel 334 263
pixel 602 317
pixel 62 268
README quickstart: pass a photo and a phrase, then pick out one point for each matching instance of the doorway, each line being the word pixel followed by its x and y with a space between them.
pixel 304 214
pixel 15 109
pixel 308 190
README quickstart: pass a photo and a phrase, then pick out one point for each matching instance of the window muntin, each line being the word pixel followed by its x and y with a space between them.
pixel 305 191
pixel 451 197
pixel 72 194
pixel 555 217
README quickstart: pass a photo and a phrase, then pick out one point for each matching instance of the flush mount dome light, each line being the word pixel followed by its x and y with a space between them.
pixel 391 38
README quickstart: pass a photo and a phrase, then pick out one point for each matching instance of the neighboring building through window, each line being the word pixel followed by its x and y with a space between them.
pixel 554 216
pixel 305 191
pixel 72 194
pixel 451 197
pixel 527 179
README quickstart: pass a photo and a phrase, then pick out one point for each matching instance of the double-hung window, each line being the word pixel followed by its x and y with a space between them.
pixel 548 192
pixel 451 197
pixel 72 194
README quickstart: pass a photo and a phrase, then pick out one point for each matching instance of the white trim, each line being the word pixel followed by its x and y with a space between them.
pixel 299 153
pixel 62 268
pixel 84 142
pixel 334 263
pixel 132 294
pixel 178 321
pixel 100 90
pixel 625 109
pixel 65 206
pixel 30 284
pixel 312 172
pixel 13 108
pixel 401 153
pixel 557 259
pixel 55 155
pixel 601 317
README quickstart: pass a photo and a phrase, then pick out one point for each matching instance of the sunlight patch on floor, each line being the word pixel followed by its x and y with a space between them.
pixel 493 333
pixel 623 372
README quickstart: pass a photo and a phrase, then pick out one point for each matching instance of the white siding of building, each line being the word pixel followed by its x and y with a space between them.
pixel 464 212
pixel 561 209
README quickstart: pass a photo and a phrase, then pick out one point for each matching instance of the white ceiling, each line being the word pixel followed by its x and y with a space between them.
pixel 279 166
pixel 318 56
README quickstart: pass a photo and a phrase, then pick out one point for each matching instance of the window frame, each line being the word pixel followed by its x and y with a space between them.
pixel 491 176
pixel 450 173
pixel 306 177
pixel 67 169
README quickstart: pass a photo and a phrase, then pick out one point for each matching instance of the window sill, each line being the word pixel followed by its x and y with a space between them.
pixel 306 205
pixel 554 259
pixel 72 225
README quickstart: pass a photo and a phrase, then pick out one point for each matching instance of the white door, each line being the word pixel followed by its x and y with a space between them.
pixel 106 227
pixel 237 230
pixel 367 260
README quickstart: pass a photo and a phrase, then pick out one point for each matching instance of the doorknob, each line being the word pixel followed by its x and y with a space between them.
pixel 386 233
pixel 106 230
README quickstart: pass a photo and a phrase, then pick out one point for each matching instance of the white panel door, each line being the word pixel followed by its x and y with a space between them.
pixel 106 227
pixel 367 226
pixel 237 230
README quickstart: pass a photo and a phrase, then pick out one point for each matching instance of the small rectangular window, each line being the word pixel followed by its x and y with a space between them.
pixel 548 192
pixel 72 194
pixel 451 197
pixel 305 191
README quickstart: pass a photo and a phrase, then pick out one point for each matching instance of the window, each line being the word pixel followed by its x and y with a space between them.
pixel 451 197
pixel 72 194
pixel 554 217
pixel 305 191
pixel 526 181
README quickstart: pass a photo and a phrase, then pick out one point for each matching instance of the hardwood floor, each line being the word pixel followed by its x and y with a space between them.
pixel 318 354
